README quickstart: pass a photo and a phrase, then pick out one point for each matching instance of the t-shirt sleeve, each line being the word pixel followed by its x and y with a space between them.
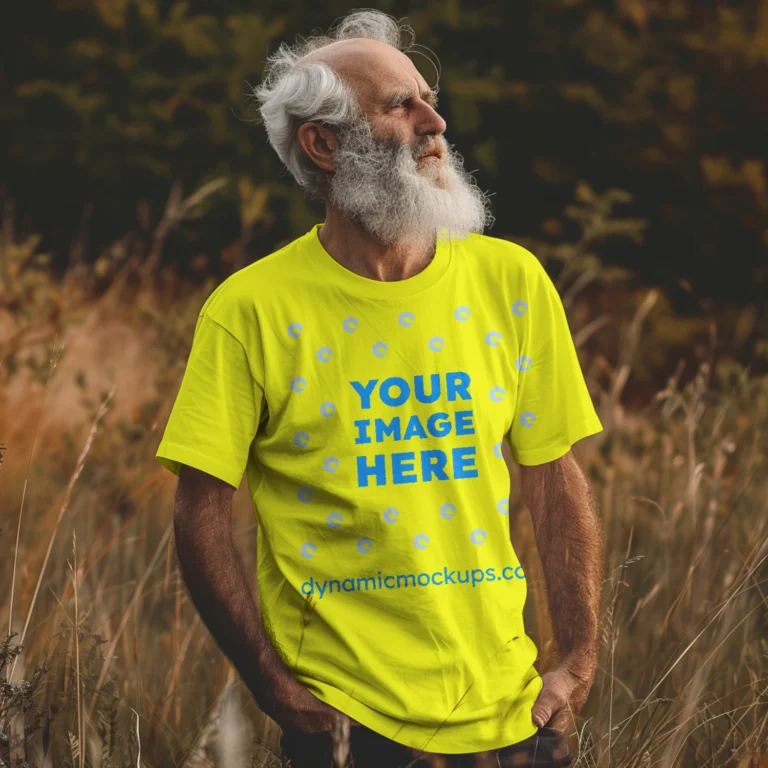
pixel 553 408
pixel 217 410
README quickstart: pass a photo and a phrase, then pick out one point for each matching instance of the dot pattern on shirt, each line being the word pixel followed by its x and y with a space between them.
pixel 392 515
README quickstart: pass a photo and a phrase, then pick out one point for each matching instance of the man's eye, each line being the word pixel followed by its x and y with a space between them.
pixel 404 103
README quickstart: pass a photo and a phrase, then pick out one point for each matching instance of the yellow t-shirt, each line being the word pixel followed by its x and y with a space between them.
pixel 368 417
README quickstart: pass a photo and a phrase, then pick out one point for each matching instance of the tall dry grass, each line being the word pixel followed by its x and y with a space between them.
pixel 108 664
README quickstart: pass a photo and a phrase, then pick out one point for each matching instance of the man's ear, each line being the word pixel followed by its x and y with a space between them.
pixel 319 143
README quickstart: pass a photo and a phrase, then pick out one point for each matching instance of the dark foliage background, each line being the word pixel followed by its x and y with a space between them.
pixel 108 102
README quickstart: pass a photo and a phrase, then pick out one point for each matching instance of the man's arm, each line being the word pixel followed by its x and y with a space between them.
pixel 571 547
pixel 218 584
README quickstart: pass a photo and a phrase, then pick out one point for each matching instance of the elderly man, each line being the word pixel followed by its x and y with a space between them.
pixel 393 344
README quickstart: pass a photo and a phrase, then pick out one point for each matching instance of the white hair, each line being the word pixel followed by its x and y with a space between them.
pixel 293 91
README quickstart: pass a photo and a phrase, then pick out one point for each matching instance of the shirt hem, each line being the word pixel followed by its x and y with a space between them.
pixel 450 739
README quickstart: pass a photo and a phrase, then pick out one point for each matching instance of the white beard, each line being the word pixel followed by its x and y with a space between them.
pixel 381 187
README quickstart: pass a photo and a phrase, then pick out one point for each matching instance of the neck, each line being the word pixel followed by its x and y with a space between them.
pixel 359 252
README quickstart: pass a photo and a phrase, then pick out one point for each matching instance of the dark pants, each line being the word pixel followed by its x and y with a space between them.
pixel 547 748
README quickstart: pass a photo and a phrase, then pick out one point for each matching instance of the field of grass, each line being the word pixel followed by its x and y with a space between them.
pixel 87 379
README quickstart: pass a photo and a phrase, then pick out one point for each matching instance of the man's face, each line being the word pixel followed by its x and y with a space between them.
pixel 380 180
pixel 386 188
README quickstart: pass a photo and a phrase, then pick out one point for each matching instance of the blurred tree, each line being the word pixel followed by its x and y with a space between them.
pixel 109 103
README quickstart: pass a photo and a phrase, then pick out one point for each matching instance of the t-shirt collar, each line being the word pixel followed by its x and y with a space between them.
pixel 337 273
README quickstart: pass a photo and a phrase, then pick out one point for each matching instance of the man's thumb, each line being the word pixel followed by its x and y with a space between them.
pixel 542 709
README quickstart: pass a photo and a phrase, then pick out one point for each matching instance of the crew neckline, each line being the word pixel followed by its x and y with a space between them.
pixel 380 289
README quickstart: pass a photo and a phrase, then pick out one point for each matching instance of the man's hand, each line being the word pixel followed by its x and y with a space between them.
pixel 292 705
pixel 562 695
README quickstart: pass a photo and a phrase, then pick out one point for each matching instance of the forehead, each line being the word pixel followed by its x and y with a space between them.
pixel 373 68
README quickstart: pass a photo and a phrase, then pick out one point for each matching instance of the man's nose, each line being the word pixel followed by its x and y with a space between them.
pixel 431 123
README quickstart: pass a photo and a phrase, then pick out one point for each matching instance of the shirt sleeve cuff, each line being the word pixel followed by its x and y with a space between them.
pixel 553 451
pixel 172 456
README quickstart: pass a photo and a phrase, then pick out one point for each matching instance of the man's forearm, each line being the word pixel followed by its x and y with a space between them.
pixel 570 541
pixel 217 581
